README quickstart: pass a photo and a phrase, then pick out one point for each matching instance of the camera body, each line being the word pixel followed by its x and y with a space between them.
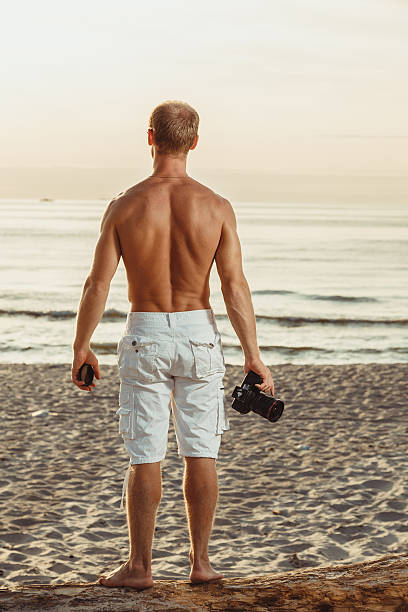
pixel 247 397
pixel 86 374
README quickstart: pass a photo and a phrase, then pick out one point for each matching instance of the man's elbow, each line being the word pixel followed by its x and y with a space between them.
pixel 96 285
pixel 231 287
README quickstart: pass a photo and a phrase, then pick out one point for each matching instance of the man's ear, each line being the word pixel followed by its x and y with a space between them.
pixel 193 146
pixel 150 136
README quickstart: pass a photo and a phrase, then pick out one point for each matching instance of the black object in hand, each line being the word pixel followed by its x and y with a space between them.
pixel 86 374
pixel 247 397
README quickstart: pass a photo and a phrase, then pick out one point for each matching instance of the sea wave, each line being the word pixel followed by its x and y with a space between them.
pixel 282 348
pixel 317 349
pixel 105 348
pixel 297 321
pixel 273 292
pixel 283 320
pixel 317 296
pixel 110 348
pixel 341 298
pixel 109 315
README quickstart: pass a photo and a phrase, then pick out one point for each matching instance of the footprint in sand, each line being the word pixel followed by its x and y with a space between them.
pixel 377 485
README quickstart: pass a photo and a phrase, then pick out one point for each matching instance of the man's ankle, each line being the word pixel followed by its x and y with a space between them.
pixel 199 559
pixel 137 565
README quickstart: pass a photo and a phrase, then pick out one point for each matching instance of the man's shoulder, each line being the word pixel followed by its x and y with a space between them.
pixel 122 200
pixel 144 188
pixel 207 191
pixel 131 192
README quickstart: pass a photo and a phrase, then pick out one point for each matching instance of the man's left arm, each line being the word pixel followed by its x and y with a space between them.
pixel 94 295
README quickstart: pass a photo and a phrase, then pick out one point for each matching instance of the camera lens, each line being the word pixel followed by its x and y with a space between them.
pixel 267 407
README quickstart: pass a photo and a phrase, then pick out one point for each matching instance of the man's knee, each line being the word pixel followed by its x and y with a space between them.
pixel 200 466
pixel 146 476
pixel 199 459
pixel 145 465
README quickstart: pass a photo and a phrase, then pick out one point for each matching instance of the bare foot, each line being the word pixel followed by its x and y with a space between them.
pixel 124 576
pixel 202 571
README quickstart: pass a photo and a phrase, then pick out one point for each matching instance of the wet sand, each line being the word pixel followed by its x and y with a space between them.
pixel 342 500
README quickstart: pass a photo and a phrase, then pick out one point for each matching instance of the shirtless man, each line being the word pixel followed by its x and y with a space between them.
pixel 169 228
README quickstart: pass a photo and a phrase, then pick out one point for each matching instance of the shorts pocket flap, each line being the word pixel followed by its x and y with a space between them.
pixel 208 341
pixel 123 410
pixel 135 343
pixel 126 410
pixel 125 395
pixel 222 418
pixel 208 356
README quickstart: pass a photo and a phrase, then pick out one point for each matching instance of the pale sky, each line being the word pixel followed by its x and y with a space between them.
pixel 280 85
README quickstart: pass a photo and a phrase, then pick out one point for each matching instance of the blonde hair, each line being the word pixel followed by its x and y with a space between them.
pixel 175 126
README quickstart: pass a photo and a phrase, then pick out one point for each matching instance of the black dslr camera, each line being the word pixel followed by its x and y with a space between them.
pixel 247 397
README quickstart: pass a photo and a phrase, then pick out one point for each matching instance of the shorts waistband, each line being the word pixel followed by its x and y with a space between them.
pixel 170 319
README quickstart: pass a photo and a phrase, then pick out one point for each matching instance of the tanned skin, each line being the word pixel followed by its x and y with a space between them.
pixel 169 229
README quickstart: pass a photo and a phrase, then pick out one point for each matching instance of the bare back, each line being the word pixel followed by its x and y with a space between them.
pixel 169 231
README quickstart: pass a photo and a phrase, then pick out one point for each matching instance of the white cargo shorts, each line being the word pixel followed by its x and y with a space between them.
pixel 171 362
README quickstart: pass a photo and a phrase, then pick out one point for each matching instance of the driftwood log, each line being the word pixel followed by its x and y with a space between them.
pixel 379 585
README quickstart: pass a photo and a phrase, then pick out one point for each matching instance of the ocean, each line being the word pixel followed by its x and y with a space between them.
pixel 329 282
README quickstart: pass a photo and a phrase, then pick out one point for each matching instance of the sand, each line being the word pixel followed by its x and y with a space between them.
pixel 343 500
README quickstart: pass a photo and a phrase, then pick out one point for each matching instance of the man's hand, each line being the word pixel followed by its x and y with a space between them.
pixel 257 366
pixel 82 356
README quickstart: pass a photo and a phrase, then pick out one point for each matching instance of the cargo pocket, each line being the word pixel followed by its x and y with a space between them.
pixel 137 358
pixel 222 417
pixel 208 357
pixel 126 411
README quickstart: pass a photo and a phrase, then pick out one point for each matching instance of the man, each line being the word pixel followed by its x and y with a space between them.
pixel 169 229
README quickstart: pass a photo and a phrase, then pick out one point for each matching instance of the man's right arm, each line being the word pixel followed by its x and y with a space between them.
pixel 237 296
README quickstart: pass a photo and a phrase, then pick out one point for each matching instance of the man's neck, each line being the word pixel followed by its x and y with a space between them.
pixel 168 166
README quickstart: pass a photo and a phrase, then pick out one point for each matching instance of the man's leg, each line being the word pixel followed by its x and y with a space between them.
pixel 201 493
pixel 142 500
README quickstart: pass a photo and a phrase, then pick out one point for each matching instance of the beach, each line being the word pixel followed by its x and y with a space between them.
pixel 324 485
